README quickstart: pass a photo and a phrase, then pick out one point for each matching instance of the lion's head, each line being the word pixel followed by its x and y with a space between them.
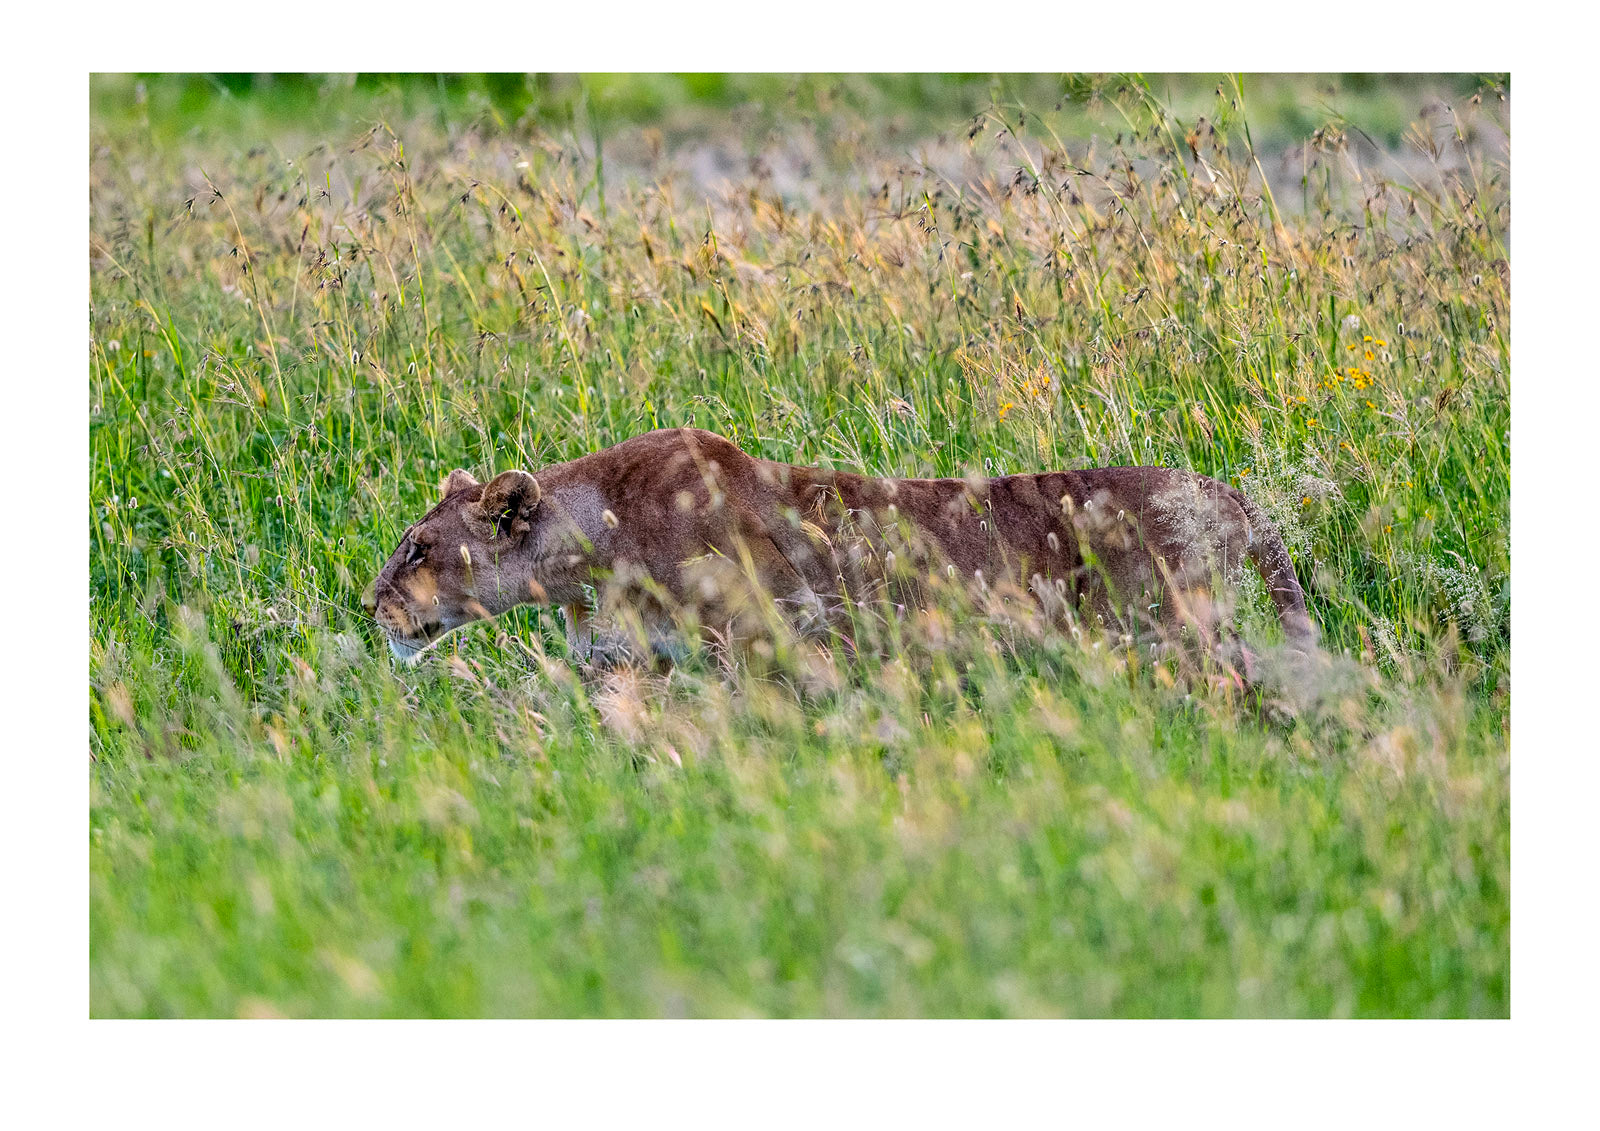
pixel 456 564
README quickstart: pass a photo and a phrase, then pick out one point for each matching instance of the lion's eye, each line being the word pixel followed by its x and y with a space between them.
pixel 417 553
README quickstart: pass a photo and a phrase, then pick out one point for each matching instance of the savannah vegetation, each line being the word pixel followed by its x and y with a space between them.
pixel 313 297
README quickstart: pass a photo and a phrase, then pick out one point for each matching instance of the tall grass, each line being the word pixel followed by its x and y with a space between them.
pixel 291 349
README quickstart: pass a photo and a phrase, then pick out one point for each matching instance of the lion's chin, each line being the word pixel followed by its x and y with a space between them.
pixel 405 651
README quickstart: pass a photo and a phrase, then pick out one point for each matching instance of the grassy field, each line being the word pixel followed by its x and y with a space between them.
pixel 301 321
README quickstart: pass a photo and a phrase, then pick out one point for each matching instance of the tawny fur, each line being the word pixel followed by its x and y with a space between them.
pixel 681 518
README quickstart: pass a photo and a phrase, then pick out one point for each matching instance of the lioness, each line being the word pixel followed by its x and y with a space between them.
pixel 681 517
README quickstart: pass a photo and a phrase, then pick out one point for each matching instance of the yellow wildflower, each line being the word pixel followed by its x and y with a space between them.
pixel 1005 408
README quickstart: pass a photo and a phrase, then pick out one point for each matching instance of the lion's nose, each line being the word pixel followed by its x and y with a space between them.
pixel 369 598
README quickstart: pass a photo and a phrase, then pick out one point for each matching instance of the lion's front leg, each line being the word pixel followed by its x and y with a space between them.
pixel 623 636
pixel 592 643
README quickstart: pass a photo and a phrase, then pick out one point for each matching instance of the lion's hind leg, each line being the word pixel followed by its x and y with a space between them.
pixel 1196 621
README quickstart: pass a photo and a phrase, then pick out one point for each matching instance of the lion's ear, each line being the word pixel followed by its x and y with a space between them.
pixel 459 480
pixel 506 508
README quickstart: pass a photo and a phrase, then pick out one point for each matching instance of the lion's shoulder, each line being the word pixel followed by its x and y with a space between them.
pixel 673 444
pixel 647 472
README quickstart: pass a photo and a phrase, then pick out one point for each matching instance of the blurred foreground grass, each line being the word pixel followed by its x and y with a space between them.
pixel 291 346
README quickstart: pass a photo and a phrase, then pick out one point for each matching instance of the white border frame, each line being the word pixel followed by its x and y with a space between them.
pixel 795 1073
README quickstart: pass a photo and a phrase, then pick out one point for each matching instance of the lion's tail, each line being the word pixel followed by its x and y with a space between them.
pixel 1271 558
